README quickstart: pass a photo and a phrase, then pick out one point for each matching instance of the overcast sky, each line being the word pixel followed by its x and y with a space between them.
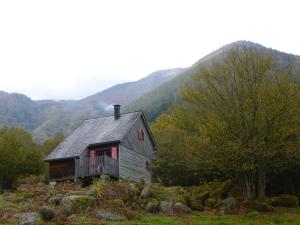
pixel 71 49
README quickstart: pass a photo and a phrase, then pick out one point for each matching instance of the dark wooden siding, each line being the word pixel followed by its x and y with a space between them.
pixel 62 169
pixel 131 141
pixel 132 165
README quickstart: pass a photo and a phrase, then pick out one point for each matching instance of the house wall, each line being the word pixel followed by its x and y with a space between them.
pixel 131 140
pixel 134 154
pixel 132 165
pixel 62 169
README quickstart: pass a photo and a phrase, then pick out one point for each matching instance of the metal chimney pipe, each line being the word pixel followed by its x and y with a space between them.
pixel 117 111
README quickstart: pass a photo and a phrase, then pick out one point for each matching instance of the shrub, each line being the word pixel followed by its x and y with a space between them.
pixel 258 206
pixel 19 157
pixel 211 202
pixel 285 200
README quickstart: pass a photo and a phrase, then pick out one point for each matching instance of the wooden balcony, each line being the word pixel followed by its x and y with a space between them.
pixel 95 166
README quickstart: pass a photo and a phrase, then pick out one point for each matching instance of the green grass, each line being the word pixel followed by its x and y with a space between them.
pixel 281 216
pixel 5 204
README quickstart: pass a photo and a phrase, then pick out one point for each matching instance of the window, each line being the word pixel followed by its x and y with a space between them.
pixel 92 153
pixel 148 166
pixel 141 134
pixel 114 153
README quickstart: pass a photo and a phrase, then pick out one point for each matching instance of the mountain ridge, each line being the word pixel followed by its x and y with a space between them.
pixel 161 98
pixel 46 117
pixel 152 94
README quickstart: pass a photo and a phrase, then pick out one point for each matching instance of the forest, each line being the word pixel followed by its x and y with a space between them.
pixel 237 120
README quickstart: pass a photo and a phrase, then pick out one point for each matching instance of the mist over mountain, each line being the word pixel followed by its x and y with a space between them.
pixel 153 95
pixel 127 92
pixel 44 118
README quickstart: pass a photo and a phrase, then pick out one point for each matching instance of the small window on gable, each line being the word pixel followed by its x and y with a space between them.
pixel 148 166
pixel 141 134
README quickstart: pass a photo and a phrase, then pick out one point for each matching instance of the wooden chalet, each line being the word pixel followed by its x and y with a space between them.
pixel 121 146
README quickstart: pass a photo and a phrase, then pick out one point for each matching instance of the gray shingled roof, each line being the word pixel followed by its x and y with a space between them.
pixel 94 131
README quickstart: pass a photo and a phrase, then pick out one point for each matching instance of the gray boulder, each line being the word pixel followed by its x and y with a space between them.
pixel 76 204
pixel 181 208
pixel 28 218
pixel 55 200
pixel 108 215
pixel 92 192
pixel 228 205
pixel 146 193
pixel 166 207
pixel 46 213
pixel 152 207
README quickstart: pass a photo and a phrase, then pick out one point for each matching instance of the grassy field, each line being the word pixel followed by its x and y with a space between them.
pixel 281 216
pixel 292 218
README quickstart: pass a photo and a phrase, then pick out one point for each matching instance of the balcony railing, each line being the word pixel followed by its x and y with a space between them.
pixel 95 166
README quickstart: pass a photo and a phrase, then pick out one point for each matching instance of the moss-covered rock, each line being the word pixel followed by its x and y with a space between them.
pixel 197 205
pixel 152 206
pixel 131 214
pixel 258 206
pixel 211 202
pixel 55 200
pixel 76 203
pixel 187 199
pixel 199 195
pixel 181 208
pixel 220 190
pixel 228 205
pixel 92 192
pixel 46 213
pixel 166 207
pixel 285 200
pixel 108 215
pixel 146 193
pixel 28 218
pixel 172 194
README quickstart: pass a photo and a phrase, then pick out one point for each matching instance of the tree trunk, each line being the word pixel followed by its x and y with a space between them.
pixel 247 186
pixel 261 182
pixel 1 186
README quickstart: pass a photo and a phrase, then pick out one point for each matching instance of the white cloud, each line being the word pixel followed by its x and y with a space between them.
pixel 70 49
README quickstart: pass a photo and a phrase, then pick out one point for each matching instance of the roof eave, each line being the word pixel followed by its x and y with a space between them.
pixel 104 143
pixel 60 159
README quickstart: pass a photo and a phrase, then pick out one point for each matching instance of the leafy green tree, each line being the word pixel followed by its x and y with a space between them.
pixel 19 156
pixel 178 160
pixel 249 114
pixel 240 118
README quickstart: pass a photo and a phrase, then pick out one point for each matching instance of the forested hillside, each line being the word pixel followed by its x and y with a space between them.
pixel 45 118
pixel 128 92
pixel 160 99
